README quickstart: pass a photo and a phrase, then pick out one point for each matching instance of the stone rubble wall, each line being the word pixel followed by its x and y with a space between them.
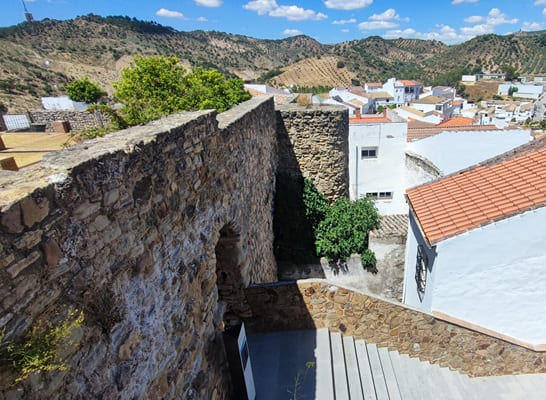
pixel 314 142
pixel 126 228
pixel 78 120
pixel 316 304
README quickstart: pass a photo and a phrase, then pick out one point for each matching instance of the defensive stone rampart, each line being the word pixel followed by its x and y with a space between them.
pixel 153 232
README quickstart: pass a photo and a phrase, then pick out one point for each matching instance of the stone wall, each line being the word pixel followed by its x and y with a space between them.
pixel 317 304
pixel 314 142
pixel 152 232
pixel 78 120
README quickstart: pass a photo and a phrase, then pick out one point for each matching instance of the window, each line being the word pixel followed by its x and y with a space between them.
pixel 379 195
pixel 368 152
pixel 421 271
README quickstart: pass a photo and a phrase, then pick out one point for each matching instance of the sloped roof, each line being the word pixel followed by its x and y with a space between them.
pixel 380 95
pixel 409 83
pixel 430 100
pixel 413 111
pixel 369 120
pixel 496 189
pixel 391 225
pixel 457 121
pixel 424 132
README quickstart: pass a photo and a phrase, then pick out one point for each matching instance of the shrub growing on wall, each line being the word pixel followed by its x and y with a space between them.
pixel 345 230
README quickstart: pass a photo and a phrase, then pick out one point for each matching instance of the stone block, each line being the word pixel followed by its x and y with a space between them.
pixel 52 252
pixel 8 163
pixel 10 220
pixel 60 126
pixel 18 267
pixel 33 211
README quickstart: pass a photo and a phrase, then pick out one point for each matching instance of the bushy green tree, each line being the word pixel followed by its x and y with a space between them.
pixel 84 90
pixel 510 72
pixel 316 204
pixel 345 229
pixel 156 86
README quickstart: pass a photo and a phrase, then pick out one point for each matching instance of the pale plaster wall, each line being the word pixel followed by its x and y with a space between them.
pixel 494 277
pixel 386 173
pixel 452 151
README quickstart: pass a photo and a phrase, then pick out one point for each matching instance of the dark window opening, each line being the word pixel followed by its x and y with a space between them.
pixel 421 271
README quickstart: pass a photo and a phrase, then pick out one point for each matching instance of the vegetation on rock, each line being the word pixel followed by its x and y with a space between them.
pixel 41 348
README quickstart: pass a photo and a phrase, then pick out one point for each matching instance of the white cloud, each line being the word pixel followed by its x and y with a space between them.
pixel 344 21
pixel 372 25
pixel 473 19
pixel 202 19
pixel 532 26
pixel 261 6
pixel 347 4
pixel 388 15
pixel 544 12
pixel 345 30
pixel 291 13
pixel 291 32
pixel 540 2
pixel 208 3
pixel 163 12
pixel 496 17
pixel 464 1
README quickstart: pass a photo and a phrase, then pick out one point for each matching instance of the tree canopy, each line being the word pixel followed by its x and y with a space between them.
pixel 156 86
pixel 84 90
pixel 345 229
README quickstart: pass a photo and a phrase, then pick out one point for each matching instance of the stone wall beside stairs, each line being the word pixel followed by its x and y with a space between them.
pixel 316 304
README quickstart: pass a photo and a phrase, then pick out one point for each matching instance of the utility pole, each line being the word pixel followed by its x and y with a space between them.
pixel 28 15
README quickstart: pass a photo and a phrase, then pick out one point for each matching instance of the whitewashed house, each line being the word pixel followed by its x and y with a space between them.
pixel 434 103
pixel 475 252
pixel 412 90
pixel 351 98
pixel 396 89
pixel 376 162
pixel 523 91
pixel 63 103
pixel 409 113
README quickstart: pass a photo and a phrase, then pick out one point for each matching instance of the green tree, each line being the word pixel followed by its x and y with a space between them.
pixel 512 90
pixel 510 72
pixel 84 90
pixel 316 204
pixel 345 229
pixel 156 86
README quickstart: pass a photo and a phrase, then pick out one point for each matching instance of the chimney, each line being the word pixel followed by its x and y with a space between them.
pixel 357 113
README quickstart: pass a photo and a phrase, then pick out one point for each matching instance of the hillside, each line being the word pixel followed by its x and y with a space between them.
pixel 38 59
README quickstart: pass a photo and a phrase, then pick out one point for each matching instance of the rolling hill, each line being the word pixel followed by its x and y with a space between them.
pixel 38 59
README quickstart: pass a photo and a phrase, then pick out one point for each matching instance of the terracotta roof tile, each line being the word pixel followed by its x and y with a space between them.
pixel 457 121
pixel 421 132
pixel 480 195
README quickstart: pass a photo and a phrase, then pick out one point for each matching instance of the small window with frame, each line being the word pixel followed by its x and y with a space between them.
pixel 368 152
pixel 421 271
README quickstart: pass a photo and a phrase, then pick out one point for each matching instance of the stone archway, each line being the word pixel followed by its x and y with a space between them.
pixel 229 275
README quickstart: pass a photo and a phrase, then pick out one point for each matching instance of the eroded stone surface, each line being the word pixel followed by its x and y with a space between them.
pixel 130 223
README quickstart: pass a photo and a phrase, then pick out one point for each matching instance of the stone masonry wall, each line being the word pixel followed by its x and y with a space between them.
pixel 152 232
pixel 317 304
pixel 78 119
pixel 314 142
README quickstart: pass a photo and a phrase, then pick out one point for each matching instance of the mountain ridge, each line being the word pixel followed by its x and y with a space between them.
pixel 39 58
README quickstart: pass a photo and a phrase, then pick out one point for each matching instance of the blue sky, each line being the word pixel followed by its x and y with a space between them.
pixel 328 21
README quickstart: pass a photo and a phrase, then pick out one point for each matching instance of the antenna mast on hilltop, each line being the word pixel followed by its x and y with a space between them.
pixel 28 15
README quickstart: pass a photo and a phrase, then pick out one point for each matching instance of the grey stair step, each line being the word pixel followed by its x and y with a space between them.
pixel 365 370
pixel 324 388
pixel 436 384
pixel 388 373
pixel 454 385
pixel 353 375
pixel 377 372
pixel 341 387
pixel 400 374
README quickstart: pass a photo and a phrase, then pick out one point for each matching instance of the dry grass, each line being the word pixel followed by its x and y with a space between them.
pixel 483 89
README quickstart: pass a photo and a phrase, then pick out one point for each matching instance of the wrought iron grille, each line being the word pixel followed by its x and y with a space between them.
pixel 421 271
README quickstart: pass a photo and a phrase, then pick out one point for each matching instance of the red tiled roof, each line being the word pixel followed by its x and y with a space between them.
pixel 457 121
pixel 480 195
pixel 409 83
pixel 419 133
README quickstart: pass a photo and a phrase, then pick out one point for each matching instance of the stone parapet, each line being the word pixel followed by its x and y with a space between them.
pixel 76 120
pixel 153 232
pixel 316 304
